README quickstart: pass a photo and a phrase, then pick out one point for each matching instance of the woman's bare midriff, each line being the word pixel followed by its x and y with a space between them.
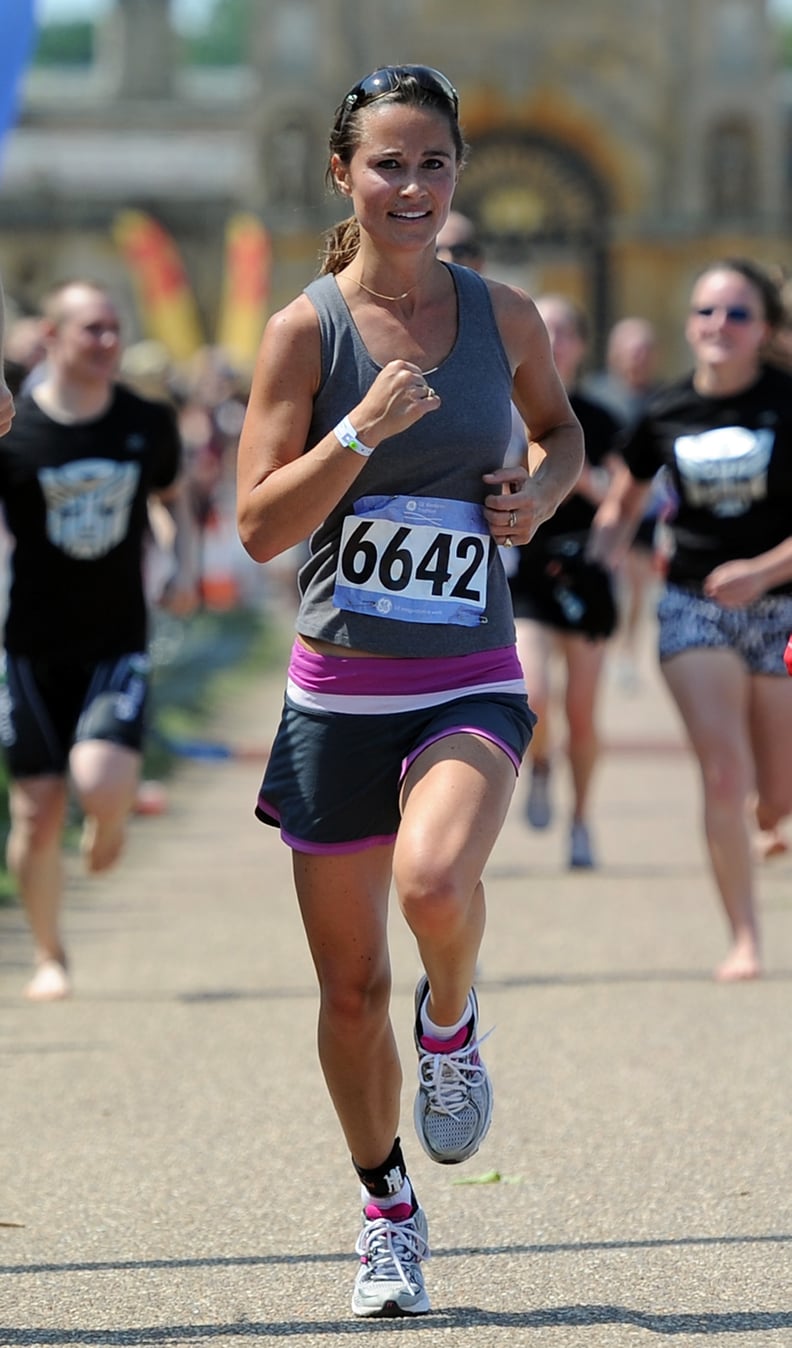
pixel 320 647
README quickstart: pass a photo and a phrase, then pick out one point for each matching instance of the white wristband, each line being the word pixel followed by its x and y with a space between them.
pixel 348 437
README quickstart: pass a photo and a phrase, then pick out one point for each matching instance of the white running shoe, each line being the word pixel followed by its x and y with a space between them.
pixel 50 982
pixel 390 1279
pixel 453 1107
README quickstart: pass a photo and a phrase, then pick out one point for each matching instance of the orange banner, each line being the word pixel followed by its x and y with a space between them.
pixel 248 267
pixel 167 306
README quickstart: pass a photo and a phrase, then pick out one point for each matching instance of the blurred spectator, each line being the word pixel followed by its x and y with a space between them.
pixel 564 604
pixel 211 402
pixel 625 386
pixel 9 386
pixel 779 347
pixel 6 392
pixel 631 368
pixel 146 368
pixel 458 242
pixel 24 350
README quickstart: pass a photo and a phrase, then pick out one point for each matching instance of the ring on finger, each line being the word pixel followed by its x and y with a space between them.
pixel 512 519
pixel 430 393
pixel 507 543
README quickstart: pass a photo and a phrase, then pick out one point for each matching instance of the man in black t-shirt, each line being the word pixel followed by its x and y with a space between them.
pixel 76 473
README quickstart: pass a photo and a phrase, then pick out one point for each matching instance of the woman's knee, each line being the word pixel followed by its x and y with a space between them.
pixel 581 731
pixel 357 998
pixel 726 781
pixel 37 816
pixel 432 903
pixel 107 790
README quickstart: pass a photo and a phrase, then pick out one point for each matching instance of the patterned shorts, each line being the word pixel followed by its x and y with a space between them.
pixel 758 632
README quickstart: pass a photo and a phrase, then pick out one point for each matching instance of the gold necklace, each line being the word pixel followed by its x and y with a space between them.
pixel 393 298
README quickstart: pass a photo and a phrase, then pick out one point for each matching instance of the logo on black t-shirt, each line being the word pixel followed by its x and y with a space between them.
pixel 88 505
pixel 724 470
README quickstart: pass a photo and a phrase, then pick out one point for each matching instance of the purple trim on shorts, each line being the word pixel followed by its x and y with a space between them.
pixel 337 849
pixel 460 730
pixel 270 814
pixel 366 676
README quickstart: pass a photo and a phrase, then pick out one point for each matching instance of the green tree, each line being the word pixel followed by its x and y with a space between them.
pixel 225 39
pixel 65 44
pixel 784 33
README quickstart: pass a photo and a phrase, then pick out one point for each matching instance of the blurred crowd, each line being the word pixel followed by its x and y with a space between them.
pixel 209 397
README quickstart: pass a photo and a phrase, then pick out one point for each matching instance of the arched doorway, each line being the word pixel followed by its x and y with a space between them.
pixel 543 214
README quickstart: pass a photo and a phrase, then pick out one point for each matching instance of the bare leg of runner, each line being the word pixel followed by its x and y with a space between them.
pixel 105 778
pixel 711 689
pixel 33 854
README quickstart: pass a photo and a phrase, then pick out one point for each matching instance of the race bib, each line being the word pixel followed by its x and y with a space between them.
pixel 417 559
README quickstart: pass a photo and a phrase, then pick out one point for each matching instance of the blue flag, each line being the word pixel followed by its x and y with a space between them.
pixel 17 41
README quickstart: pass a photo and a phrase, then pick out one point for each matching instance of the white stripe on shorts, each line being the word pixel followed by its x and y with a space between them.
pixel 376 705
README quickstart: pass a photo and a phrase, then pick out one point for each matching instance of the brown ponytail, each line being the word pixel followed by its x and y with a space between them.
pixel 339 245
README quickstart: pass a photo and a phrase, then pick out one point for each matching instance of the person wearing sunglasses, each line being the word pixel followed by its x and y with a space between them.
pixel 724 432
pixel 458 241
pixel 379 416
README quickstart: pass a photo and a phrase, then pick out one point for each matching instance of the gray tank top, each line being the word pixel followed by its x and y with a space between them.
pixel 404 565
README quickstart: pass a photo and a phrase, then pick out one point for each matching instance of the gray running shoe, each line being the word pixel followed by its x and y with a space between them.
pixel 581 854
pixel 390 1279
pixel 538 806
pixel 453 1107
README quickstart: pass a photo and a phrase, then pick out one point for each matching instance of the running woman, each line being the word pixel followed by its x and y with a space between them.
pixel 377 426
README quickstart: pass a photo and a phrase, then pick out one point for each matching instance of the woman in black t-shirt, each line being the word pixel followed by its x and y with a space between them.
pixel 725 435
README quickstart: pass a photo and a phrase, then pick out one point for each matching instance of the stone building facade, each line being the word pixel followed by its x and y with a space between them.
pixel 615 148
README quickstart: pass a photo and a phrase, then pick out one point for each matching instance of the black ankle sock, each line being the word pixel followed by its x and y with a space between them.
pixel 387 1178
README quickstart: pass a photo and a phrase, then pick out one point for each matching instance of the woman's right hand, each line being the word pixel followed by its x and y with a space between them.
pixel 399 397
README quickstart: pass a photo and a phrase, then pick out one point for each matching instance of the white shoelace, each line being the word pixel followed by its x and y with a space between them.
pixel 448 1078
pixel 384 1244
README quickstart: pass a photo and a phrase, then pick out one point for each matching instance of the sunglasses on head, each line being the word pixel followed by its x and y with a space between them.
pixel 388 79
pixel 733 313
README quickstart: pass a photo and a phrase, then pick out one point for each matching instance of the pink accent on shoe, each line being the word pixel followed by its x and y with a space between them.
pixel 398 1213
pixel 451 1045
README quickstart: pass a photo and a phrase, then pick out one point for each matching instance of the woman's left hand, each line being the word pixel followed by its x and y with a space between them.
pixel 516 507
pixel 735 584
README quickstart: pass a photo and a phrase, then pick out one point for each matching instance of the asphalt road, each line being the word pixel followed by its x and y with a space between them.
pixel 172 1172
